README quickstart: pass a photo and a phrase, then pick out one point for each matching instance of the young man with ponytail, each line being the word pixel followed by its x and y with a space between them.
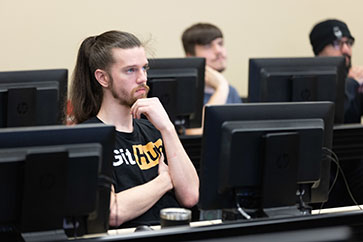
pixel 151 168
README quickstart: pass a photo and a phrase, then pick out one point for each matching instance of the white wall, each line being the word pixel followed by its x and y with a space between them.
pixel 39 34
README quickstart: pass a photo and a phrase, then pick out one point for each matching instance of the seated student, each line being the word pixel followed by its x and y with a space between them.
pixel 333 38
pixel 151 169
pixel 206 40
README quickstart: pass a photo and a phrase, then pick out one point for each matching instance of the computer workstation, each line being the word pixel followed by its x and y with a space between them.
pixel 264 120
pixel 301 128
pixel 316 125
pixel 282 80
pixel 259 157
pixel 313 189
pixel 55 181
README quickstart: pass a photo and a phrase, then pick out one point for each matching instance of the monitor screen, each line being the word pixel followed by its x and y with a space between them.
pixel 32 98
pixel 298 79
pixel 179 84
pixel 240 139
pixel 56 178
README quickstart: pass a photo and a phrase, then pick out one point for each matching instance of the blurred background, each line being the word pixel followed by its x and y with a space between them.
pixel 43 34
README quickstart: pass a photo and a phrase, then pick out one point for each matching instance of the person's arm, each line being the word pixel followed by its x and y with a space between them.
pixel 352 106
pixel 356 73
pixel 181 169
pixel 220 85
pixel 218 82
pixel 133 202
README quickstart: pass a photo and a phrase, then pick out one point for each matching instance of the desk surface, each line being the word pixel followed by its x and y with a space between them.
pixel 344 220
pixel 338 210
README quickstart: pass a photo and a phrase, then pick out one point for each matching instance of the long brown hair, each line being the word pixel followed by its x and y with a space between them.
pixel 95 52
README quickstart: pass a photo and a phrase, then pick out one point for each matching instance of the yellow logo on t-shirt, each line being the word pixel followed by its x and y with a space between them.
pixel 147 156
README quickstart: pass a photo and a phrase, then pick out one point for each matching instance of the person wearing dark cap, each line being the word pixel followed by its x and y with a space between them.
pixel 206 40
pixel 333 38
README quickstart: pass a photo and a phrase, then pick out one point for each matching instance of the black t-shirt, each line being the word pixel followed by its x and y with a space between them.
pixel 136 162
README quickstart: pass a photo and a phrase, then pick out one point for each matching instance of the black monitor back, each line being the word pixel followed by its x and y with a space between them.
pixel 179 84
pixel 298 79
pixel 44 163
pixel 263 163
pixel 32 98
pixel 216 115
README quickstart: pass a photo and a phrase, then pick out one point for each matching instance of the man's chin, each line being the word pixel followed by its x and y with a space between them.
pixel 138 97
pixel 220 68
pixel 144 95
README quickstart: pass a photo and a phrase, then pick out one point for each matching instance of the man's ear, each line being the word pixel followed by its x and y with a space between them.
pixel 102 77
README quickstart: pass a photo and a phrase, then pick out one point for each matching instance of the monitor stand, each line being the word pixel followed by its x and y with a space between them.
pixel 279 195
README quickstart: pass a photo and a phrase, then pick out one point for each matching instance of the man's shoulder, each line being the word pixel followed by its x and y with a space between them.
pixel 233 95
pixel 145 124
pixel 233 89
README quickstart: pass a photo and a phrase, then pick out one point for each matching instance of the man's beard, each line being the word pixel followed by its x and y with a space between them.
pixel 349 64
pixel 220 68
pixel 128 99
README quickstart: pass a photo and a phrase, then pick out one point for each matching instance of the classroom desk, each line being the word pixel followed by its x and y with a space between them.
pixel 338 210
pixel 339 224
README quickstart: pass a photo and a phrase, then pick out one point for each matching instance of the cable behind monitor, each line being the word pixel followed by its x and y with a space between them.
pixel 333 157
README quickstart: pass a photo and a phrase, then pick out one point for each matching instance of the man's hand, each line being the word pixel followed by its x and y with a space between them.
pixel 164 171
pixel 154 111
pixel 356 72
pixel 214 78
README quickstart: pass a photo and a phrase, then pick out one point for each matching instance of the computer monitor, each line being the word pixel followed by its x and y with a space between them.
pixel 56 180
pixel 179 84
pixel 298 79
pixel 239 140
pixel 34 97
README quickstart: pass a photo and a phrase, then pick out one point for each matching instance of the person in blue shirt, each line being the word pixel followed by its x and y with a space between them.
pixel 206 40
